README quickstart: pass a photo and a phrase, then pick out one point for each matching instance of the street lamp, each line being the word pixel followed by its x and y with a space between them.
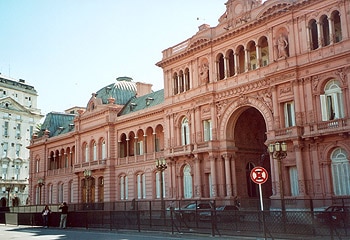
pixel 87 175
pixel 161 166
pixel 8 190
pixel 40 184
pixel 279 152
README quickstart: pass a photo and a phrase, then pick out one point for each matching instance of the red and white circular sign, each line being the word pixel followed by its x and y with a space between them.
pixel 259 175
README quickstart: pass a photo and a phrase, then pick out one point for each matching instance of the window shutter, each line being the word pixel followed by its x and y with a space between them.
pixel 324 111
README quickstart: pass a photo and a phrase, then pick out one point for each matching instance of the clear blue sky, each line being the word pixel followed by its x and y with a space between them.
pixel 68 49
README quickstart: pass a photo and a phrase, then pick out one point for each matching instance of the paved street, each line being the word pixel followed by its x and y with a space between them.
pixel 9 232
pixel 27 232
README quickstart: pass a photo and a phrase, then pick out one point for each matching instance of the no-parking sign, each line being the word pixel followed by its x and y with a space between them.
pixel 259 175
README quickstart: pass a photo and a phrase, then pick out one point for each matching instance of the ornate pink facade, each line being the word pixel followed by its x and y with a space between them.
pixel 269 72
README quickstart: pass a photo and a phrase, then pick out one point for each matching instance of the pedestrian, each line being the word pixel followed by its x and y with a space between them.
pixel 64 213
pixel 46 214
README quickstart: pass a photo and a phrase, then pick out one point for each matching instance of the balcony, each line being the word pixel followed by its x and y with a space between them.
pixel 97 164
pixel 337 126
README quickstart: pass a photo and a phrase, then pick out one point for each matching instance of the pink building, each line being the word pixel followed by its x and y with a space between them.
pixel 272 72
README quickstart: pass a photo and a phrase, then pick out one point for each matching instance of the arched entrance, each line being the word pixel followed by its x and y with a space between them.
pixel 246 133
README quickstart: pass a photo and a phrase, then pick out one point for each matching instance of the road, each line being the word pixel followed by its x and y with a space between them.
pixel 8 232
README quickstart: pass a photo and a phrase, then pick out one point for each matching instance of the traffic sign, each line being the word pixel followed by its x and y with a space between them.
pixel 259 175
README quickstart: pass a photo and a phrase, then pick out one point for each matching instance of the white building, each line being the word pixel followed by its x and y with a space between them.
pixel 19 117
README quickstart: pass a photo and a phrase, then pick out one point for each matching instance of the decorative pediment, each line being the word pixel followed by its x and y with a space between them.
pixel 93 103
pixel 11 104
pixel 274 7
pixel 197 42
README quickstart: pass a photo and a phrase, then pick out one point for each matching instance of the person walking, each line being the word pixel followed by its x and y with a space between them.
pixel 46 213
pixel 64 214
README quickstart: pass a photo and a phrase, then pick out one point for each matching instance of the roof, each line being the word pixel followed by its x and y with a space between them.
pixel 121 91
pixel 57 123
pixel 143 102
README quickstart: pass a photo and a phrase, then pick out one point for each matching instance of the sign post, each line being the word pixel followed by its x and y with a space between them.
pixel 259 176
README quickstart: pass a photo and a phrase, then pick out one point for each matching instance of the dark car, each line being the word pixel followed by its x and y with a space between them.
pixel 337 215
pixel 192 210
pixel 222 213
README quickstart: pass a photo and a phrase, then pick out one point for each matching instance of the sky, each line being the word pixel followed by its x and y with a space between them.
pixel 69 49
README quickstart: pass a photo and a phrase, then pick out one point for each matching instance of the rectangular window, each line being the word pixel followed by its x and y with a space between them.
pixel 6 129
pixel 4 171
pixel 139 148
pixel 18 150
pixel 5 149
pixel 18 130
pixel 294 186
pixel 207 130
pixel 289 114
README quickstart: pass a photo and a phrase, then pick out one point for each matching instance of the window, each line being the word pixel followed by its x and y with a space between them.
pixel 5 149
pixel 71 192
pixel 4 171
pixel 6 129
pixel 103 149
pixel 94 151
pixel 289 114
pixel 158 184
pixel 31 131
pixel 337 27
pixel 185 132
pixel 86 153
pixel 187 182
pixel 340 172
pixel 18 150
pixel 141 186
pixel 293 176
pixel 124 187
pixel 37 165
pixel 139 148
pixel 18 130
pixel 207 130
pixel 60 193
pixel 313 35
pixel 332 102
pixel 50 194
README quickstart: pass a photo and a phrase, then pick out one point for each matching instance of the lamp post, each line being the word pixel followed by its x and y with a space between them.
pixel 40 184
pixel 161 166
pixel 279 152
pixel 87 176
pixel 8 190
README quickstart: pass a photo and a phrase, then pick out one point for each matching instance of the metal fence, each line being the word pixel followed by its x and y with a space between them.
pixel 248 220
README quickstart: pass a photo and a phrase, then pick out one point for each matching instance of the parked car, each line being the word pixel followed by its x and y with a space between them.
pixel 222 213
pixel 192 210
pixel 337 215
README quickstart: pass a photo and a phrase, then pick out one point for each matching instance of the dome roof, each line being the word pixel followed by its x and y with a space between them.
pixel 121 91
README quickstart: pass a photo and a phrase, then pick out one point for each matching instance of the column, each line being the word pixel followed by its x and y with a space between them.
pixel 234 175
pixel 275 107
pixel 197 178
pixel 300 167
pixel 225 67
pixel 319 33
pixel 297 109
pixel 247 60
pixel 228 175
pixel 235 57
pixel 213 176
pixel 258 56
pixel 331 30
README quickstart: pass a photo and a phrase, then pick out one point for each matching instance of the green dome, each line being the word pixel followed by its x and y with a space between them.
pixel 122 90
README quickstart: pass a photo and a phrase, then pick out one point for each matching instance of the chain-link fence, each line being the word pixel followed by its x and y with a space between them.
pixel 228 217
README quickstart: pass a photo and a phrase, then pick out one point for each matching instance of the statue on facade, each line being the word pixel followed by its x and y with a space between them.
pixel 282 46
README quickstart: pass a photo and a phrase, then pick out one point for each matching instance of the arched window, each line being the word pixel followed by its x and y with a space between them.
pixel 325 30
pixel 264 51
pixel 60 192
pixel 181 82
pixel 124 190
pixel 141 185
pixel 187 181
pixel 231 63
pixel 340 172
pixel 94 151
pixel 103 150
pixel 85 152
pixel 220 67
pixel 337 27
pixel 185 132
pixel 176 84
pixel 332 101
pixel 187 79
pixel 313 34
